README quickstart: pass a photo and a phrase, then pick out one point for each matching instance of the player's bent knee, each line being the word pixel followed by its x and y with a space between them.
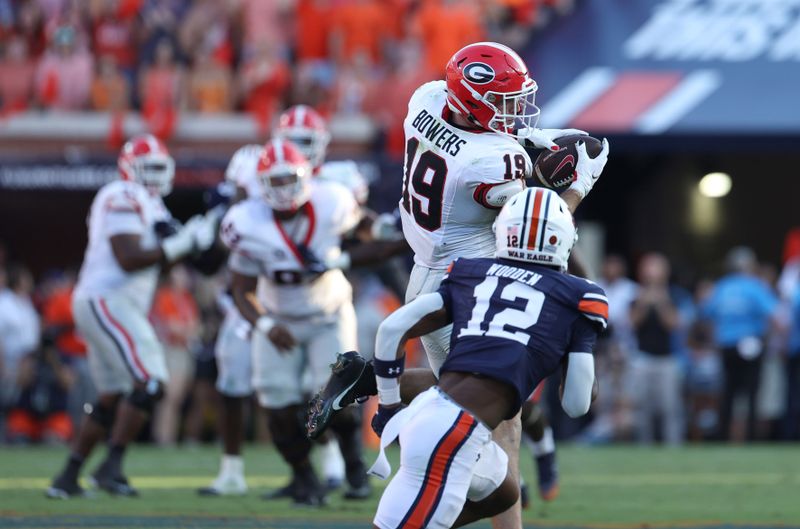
pixel 145 395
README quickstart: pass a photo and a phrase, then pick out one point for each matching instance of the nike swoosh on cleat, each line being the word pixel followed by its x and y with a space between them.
pixel 338 399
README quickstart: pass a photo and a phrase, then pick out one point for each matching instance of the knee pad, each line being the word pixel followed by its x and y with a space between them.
pixel 101 415
pixel 145 397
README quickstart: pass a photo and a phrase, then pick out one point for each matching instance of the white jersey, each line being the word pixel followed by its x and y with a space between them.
pixel 242 169
pixel 247 178
pixel 121 207
pixel 263 246
pixel 447 173
pixel 346 173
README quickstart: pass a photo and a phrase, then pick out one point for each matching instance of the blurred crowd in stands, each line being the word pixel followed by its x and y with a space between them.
pixel 717 361
pixel 164 57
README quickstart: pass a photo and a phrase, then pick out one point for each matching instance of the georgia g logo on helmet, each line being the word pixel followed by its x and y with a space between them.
pixel 479 73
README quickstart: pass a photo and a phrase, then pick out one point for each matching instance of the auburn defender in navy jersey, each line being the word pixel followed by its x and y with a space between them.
pixel 516 318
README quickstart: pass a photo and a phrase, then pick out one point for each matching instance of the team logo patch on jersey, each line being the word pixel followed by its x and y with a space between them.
pixel 479 73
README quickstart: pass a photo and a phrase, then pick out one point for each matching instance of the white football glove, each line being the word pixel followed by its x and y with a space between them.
pixel 544 138
pixel 183 241
pixel 588 169
pixel 206 231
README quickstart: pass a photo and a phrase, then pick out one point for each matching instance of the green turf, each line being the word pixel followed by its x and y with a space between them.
pixel 622 486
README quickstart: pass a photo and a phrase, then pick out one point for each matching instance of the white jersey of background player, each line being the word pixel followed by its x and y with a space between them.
pixel 305 314
pixel 130 237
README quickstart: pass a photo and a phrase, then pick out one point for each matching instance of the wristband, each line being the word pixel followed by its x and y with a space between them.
pixel 389 368
pixel 265 324
pixel 389 395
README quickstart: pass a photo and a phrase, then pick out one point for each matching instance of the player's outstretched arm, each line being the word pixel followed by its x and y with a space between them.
pixel 423 315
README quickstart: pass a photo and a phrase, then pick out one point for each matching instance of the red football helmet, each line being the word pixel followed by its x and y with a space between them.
pixel 285 175
pixel 488 83
pixel 303 126
pixel 145 159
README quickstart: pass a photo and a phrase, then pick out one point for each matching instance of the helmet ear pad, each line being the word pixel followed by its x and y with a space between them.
pixel 536 226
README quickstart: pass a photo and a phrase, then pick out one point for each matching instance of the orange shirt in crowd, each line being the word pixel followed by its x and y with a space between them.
pixel 358 26
pixel 441 40
pixel 174 315
pixel 313 29
pixel 57 312
pixel 110 92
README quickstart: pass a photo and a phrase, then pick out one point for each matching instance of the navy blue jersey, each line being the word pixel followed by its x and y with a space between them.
pixel 515 321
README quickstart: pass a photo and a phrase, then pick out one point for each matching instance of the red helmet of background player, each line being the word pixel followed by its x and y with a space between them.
pixel 145 159
pixel 488 83
pixel 285 175
pixel 303 126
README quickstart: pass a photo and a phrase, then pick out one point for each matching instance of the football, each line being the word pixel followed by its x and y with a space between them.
pixel 556 170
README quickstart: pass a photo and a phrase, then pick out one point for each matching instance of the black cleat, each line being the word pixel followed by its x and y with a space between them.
pixel 63 489
pixel 308 491
pixel 114 484
pixel 287 491
pixel 352 378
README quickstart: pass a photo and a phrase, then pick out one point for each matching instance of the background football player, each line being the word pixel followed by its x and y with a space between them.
pixel 302 313
pixel 131 235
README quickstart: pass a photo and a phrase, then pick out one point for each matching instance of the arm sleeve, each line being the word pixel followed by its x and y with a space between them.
pixel 593 305
pixel 122 215
pixel 584 336
pixel 577 395
pixel 492 174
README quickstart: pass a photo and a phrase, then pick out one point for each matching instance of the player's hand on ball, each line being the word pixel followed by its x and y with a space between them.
pixel 383 415
pixel 588 169
pixel 281 338
pixel 545 138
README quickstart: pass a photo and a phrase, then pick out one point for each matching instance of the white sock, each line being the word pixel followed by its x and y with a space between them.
pixel 232 466
pixel 546 445
pixel 332 460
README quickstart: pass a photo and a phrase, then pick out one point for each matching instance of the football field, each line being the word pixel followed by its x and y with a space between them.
pixel 609 487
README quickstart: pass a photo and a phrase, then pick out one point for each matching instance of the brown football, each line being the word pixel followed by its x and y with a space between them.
pixel 556 170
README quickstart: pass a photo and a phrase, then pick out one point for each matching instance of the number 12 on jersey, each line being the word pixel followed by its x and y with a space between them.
pixel 426 181
pixel 509 317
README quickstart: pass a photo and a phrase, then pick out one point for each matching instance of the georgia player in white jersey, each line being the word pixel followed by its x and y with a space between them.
pixel 127 245
pixel 304 313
